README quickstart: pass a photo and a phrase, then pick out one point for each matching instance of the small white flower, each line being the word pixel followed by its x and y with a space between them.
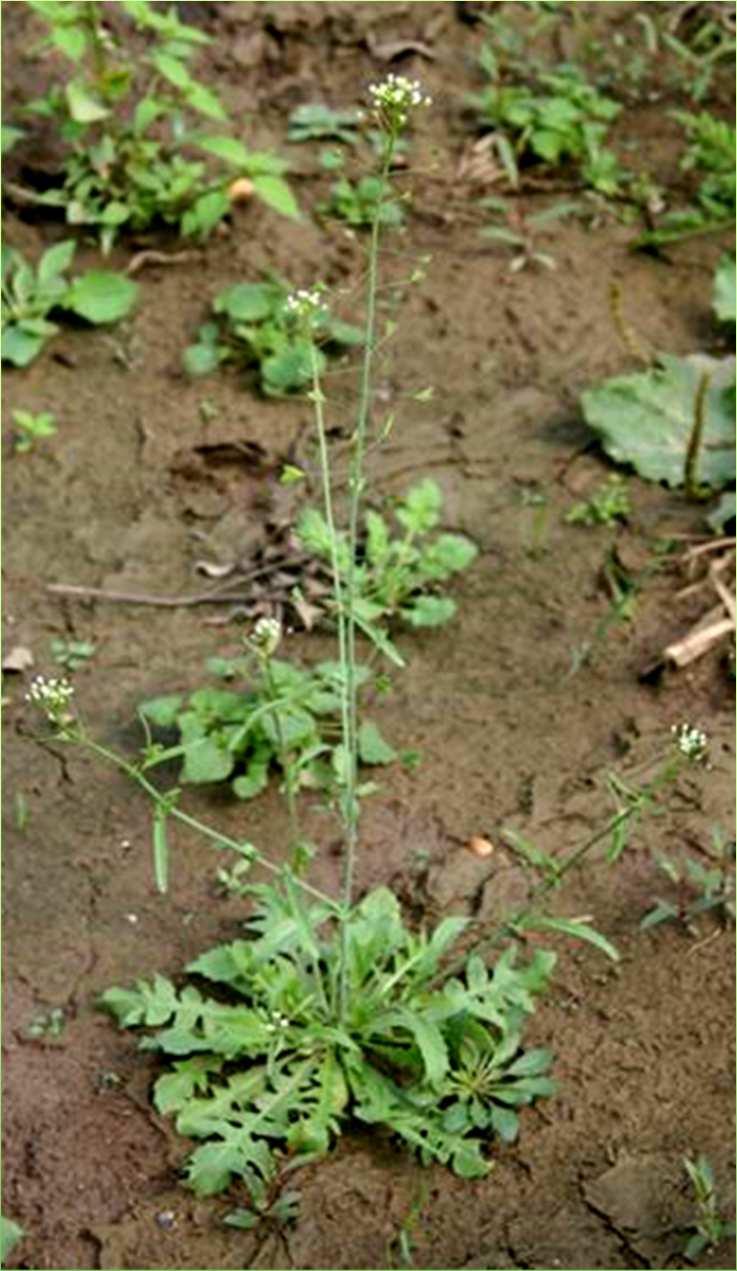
pixel 394 98
pixel 691 742
pixel 52 697
pixel 304 305
pixel 266 637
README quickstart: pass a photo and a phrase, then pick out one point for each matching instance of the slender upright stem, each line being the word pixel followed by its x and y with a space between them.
pixel 356 485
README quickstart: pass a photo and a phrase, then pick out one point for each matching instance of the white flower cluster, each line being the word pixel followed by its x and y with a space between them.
pixel 692 742
pixel 266 636
pixel 393 99
pixel 52 697
pixel 304 304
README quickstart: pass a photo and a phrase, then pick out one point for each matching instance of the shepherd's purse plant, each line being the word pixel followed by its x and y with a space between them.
pixel 332 1008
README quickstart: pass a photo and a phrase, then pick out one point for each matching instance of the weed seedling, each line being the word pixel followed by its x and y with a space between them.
pixel 521 232
pixel 608 505
pixel 699 888
pixel 397 577
pixel 29 295
pixel 47 1023
pixel 315 122
pixel 252 328
pixel 358 203
pixel 130 121
pixel 71 654
pixel 288 719
pixel 31 428
pixel 564 120
pixel 708 1226
pixel 709 153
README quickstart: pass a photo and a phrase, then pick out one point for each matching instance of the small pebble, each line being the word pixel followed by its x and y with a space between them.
pixel 166 1219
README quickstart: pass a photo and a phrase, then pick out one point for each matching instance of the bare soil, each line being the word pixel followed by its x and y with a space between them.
pixel 141 483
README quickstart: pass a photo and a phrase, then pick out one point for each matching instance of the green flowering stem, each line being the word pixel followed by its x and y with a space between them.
pixel 162 804
pixel 356 484
pixel 640 802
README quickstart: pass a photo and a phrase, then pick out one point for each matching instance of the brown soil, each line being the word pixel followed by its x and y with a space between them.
pixel 128 497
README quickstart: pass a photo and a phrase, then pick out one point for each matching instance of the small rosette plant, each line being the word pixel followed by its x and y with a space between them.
pixel 272 1069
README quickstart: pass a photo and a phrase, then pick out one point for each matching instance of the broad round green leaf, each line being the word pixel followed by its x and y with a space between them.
pixel 646 420
pixel 101 296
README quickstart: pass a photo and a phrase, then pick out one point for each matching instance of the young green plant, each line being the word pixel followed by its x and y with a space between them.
pixel 30 295
pixel 130 121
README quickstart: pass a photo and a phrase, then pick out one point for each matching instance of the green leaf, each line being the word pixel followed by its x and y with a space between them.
pixel 647 419
pixel 428 1037
pixel 205 213
pixel 162 711
pixel 313 121
pixel 210 1168
pixel 569 927
pixel 147 110
pixel 531 1064
pixel 245 1219
pixel 229 149
pixel 429 611
pixel 663 912
pixel 505 1123
pixel 18 346
pixel 203 359
pixel 146 1004
pixel 172 69
pixel 467 1161
pixel 9 137
pixel 205 760
pixel 724 511
pixel 84 108
pixel 174 1090
pixel 247 301
pixel 255 779
pixel 724 297
pixel 10 1234
pixel 377 538
pixel 275 192
pixel 72 40
pixel 372 749
pixel 449 554
pixel 99 296
pixel 55 261
pixel 205 102
pixel 420 509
